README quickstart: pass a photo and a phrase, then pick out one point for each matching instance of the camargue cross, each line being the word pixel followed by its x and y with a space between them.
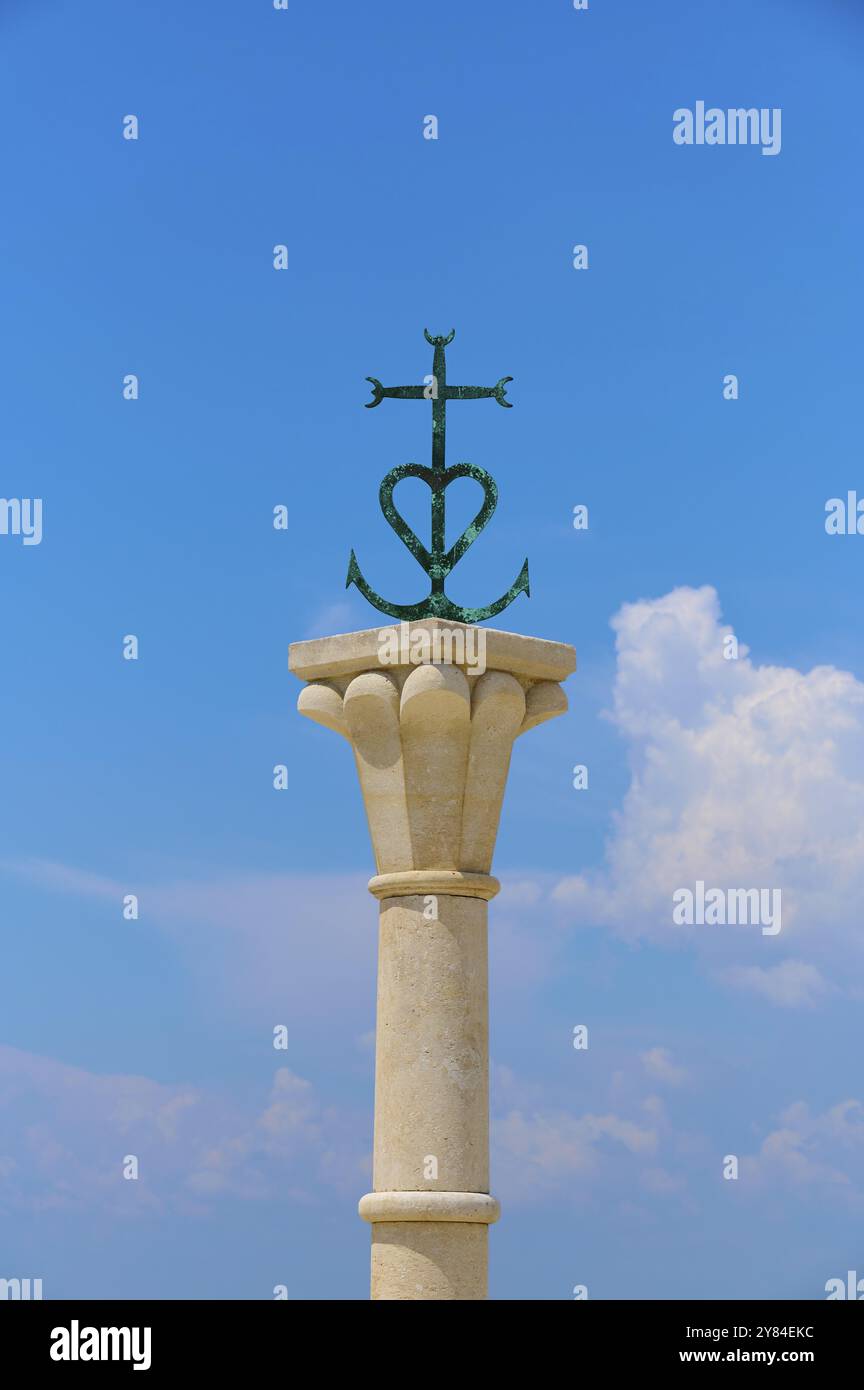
pixel 437 562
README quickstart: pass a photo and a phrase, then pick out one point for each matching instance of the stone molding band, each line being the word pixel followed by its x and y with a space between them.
pixel 416 883
pixel 477 1207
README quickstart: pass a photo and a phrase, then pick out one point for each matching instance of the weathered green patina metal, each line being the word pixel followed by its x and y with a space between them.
pixel 437 562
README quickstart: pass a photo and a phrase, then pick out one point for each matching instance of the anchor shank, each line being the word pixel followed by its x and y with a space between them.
pixel 438 570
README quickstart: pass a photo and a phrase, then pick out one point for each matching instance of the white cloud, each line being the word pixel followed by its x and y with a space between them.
pixel 741 776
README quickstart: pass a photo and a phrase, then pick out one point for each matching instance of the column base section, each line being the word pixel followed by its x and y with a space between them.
pixel 429 1246
pixel 437 1261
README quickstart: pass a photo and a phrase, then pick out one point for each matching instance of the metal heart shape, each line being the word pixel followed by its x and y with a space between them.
pixel 436 562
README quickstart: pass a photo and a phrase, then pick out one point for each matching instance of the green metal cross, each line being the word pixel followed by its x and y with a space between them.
pixel 437 562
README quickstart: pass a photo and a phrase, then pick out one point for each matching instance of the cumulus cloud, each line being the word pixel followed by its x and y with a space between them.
pixel 742 776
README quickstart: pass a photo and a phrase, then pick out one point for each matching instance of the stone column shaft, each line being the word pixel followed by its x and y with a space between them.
pixel 431 1101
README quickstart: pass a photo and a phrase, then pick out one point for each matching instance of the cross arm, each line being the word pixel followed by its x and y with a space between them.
pixel 402 393
pixel 479 393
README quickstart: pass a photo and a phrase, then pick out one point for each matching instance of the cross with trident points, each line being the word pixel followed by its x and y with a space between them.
pixel 437 562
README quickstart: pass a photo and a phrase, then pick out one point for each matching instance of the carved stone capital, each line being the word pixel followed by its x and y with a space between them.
pixel 432 738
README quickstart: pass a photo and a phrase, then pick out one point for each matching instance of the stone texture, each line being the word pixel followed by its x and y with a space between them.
pixel 431 1047
pixel 432 744
pixel 429 1260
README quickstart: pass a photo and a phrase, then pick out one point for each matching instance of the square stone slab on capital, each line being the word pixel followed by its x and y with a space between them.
pixel 346 654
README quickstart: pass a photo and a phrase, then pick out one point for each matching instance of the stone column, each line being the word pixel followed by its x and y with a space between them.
pixel 431 710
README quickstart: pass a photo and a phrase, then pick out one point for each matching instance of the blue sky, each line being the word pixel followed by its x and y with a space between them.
pixel 155 257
